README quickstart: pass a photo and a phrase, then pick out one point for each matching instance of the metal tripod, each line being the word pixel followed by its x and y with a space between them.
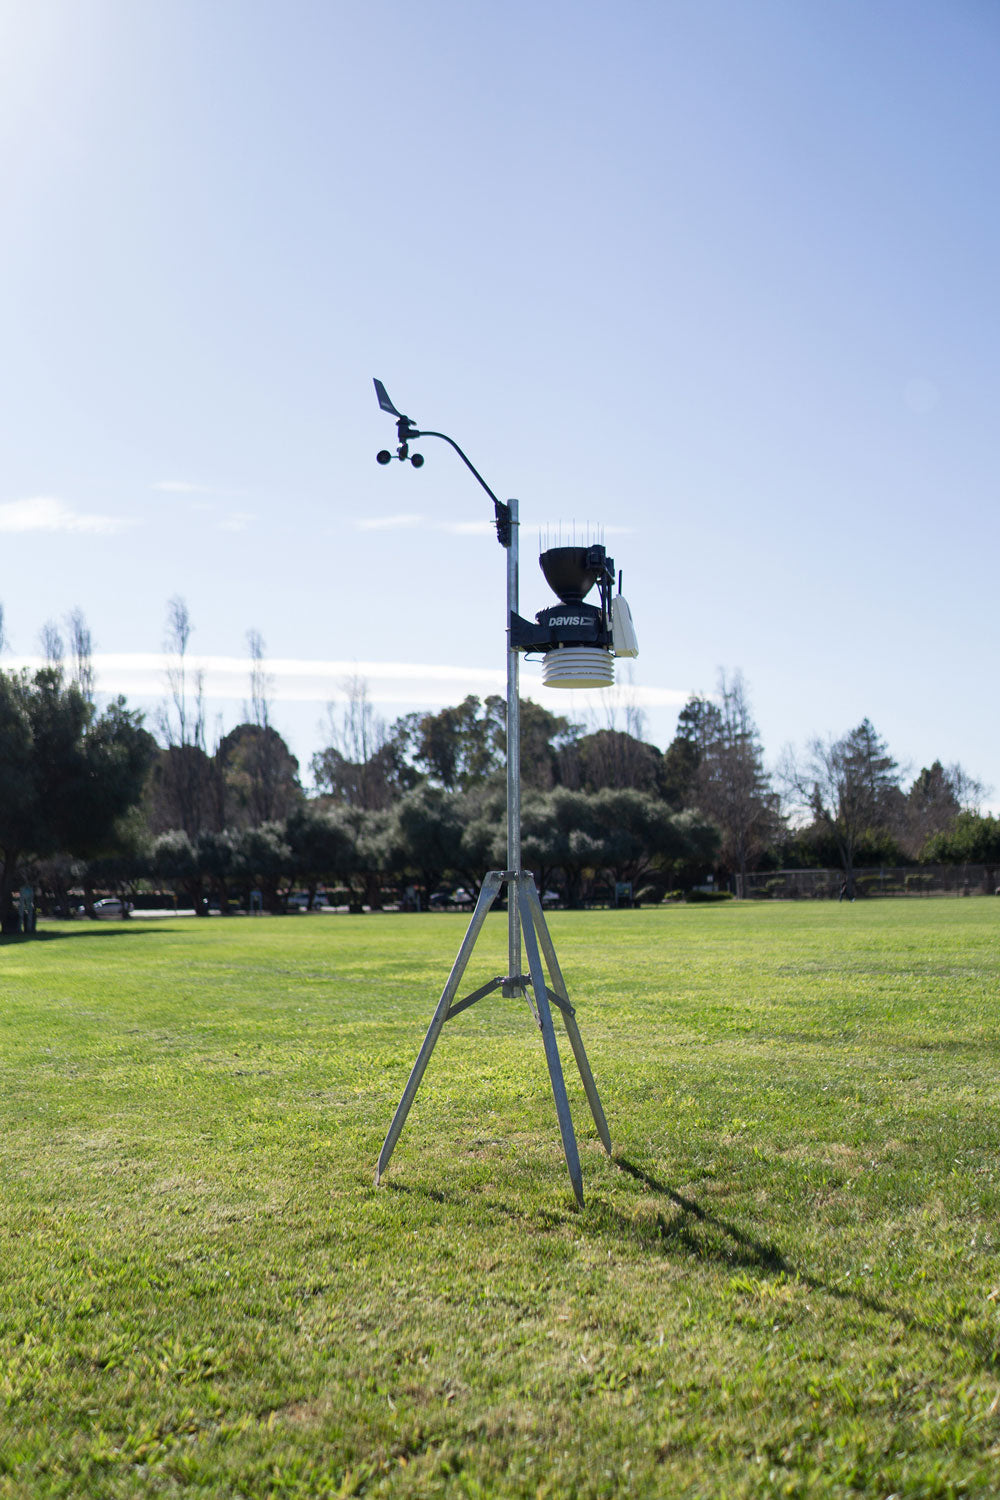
pixel 525 920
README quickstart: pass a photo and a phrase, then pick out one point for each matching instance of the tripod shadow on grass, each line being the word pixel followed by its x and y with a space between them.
pixel 734 1246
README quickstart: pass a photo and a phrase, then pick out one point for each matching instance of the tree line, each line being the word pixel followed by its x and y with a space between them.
pixel 93 800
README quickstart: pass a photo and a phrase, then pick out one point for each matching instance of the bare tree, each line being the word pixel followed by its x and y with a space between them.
pixel 183 780
pixel 260 683
pixel 970 793
pixel 181 721
pixel 51 642
pixel 81 650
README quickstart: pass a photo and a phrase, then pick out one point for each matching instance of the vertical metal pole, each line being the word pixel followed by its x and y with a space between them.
pixel 513 766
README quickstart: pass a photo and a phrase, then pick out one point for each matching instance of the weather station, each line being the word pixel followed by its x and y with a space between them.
pixel 578 643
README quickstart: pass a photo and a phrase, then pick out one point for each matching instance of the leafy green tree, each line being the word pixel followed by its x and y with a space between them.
pixel 622 833
pixel 677 772
pixel 126 861
pixel 215 855
pixel 461 746
pixel 426 835
pixel 612 758
pixel 547 742
pixel 639 835
pixel 175 861
pixel 699 725
pixel 973 839
pixel 557 834
pixel 260 775
pixel 325 845
pixel 67 773
pixel 262 857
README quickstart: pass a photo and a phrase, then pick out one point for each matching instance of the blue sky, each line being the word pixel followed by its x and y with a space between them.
pixel 721 277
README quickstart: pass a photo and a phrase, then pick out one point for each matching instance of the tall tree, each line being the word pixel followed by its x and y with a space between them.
pixel 184 794
pixel 81 651
pixel 931 807
pixel 258 772
pixel 730 784
pixel 461 746
pixel 851 788
pixel 52 644
pixel 260 776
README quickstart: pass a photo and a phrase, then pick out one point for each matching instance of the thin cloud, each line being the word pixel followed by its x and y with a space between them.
pixel 300 680
pixel 388 523
pixel 48 514
pixel 237 520
pixel 465 528
pixel 188 487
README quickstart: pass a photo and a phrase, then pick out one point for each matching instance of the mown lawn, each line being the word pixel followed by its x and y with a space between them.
pixel 786 1282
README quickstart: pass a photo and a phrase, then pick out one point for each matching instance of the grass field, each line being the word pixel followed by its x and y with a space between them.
pixel 786 1282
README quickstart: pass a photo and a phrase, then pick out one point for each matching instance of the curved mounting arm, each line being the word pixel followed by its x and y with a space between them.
pixel 501 512
pixel 407 431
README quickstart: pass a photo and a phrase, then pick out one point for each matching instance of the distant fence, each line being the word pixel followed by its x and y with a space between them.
pixel 883 880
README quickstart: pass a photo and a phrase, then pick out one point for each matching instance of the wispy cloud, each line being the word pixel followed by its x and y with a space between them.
pixel 299 680
pixel 388 523
pixel 46 513
pixel 237 520
pixel 465 528
pixel 190 487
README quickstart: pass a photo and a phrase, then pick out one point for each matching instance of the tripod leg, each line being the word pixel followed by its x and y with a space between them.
pixel 549 1037
pixel 573 1030
pixel 487 893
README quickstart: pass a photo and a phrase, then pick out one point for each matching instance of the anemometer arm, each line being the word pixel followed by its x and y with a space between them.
pixel 406 431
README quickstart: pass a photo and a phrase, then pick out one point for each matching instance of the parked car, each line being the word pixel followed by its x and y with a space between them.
pixel 299 901
pixel 110 906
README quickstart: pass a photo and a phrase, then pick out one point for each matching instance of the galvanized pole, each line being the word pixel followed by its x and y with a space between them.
pixel 513 987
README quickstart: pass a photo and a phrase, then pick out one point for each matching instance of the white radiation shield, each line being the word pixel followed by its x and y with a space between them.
pixel 578 667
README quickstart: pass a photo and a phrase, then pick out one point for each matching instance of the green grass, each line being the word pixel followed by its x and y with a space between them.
pixel 785 1283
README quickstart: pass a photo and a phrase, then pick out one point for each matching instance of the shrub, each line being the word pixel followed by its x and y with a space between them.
pixel 697 896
